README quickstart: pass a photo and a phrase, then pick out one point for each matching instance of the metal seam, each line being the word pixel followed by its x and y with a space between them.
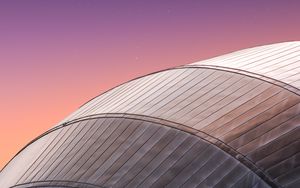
pixel 212 140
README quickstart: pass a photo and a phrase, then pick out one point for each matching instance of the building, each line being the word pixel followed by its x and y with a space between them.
pixel 229 121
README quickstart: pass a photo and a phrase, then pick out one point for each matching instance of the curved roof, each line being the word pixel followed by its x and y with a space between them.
pixel 125 152
pixel 245 104
pixel 275 64
pixel 280 62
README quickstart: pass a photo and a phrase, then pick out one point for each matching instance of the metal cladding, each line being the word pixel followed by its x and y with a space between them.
pixel 230 121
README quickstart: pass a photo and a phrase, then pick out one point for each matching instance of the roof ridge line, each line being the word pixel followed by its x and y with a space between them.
pixel 202 135
pixel 264 78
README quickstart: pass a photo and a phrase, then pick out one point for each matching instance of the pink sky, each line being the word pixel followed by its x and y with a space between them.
pixel 56 55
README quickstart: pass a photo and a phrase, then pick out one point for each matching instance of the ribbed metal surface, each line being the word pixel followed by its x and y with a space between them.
pixel 244 105
pixel 278 61
pixel 123 152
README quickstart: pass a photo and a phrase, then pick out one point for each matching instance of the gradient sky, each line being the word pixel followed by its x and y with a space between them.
pixel 57 54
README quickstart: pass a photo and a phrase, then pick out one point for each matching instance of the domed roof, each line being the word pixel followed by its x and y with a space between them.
pixel 230 121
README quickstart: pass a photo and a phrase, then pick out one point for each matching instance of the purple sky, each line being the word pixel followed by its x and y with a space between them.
pixel 55 55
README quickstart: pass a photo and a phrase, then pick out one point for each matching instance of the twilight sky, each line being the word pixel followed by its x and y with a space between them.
pixel 57 54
